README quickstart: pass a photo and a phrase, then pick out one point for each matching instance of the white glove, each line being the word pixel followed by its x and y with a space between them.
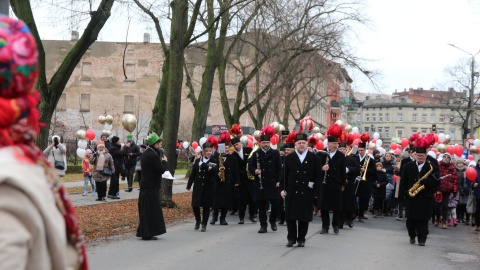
pixel 283 193
pixel 310 184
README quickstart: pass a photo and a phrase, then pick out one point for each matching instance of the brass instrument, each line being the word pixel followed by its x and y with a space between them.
pixel 417 187
pixel 364 176
pixel 249 175
pixel 221 168
pixel 260 174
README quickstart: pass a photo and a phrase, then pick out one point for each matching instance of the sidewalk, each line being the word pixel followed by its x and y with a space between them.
pixel 179 186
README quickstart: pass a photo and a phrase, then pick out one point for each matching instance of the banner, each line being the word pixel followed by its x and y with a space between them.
pixel 218 129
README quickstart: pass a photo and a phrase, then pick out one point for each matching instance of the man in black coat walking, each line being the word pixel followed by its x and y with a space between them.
pixel 133 152
pixel 300 187
pixel 266 165
pixel 364 187
pixel 348 196
pixel 418 207
pixel 118 153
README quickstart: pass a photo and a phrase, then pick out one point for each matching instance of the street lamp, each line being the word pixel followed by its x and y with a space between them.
pixel 473 74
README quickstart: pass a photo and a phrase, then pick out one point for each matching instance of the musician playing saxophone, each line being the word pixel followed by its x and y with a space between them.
pixel 332 178
pixel 418 208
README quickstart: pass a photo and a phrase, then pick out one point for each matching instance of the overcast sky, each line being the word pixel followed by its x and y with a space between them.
pixel 407 39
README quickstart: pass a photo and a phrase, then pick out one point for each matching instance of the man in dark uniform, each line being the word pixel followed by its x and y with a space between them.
pixel 266 165
pixel 364 187
pixel 333 177
pixel 300 186
pixel 288 148
pixel 418 207
pixel 245 186
pixel 348 196
pixel 411 157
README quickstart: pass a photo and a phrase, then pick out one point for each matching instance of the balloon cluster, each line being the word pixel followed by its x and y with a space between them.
pixel 107 122
pixel 82 143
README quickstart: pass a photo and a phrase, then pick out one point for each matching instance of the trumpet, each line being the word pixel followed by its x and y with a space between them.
pixel 417 187
pixel 364 176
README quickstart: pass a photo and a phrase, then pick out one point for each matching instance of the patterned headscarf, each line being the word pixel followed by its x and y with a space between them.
pixel 19 116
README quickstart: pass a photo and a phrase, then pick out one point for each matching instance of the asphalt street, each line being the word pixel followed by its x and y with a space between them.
pixel 380 243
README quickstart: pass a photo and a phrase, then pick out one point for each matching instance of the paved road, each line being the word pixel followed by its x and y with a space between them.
pixel 376 244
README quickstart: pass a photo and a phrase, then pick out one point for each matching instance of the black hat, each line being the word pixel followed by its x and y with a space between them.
pixel 332 139
pixel 342 144
pixel 301 137
pixel 265 138
pixel 115 139
pixel 421 150
pixel 207 145
pixel 362 145
pixel 234 140
pixel 289 145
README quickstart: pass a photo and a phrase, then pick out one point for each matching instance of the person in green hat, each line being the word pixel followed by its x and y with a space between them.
pixel 133 152
pixel 149 207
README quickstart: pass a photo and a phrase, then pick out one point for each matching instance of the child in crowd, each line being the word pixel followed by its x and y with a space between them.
pixel 87 173
pixel 452 209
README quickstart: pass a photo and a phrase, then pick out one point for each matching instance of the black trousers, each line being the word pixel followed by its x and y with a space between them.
pixel 326 218
pixel 293 233
pixel 441 208
pixel 131 171
pixel 378 203
pixel 223 213
pixel 235 198
pixel 477 213
pixel 362 206
pixel 101 189
pixel 346 215
pixel 262 211
pixel 114 185
pixel 417 228
pixel 244 200
pixel 204 217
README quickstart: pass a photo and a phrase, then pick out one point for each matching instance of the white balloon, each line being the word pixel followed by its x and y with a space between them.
pixel 382 150
pixel 441 138
pixel 82 144
pixel 355 130
pixel 325 143
pixel 185 144
pixel 273 146
pixel 202 140
pixel 379 142
pixel 376 135
pixel 476 142
pixel 198 149
pixel 81 152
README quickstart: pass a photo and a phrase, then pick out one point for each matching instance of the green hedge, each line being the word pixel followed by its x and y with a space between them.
pixel 182 165
pixel 74 169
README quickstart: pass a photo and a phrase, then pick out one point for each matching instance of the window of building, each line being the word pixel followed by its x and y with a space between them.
pixel 414 130
pixel 86 70
pixel 414 117
pixel 380 117
pixel 387 117
pixel 400 117
pixel 85 103
pixel 400 133
pixel 432 118
pixel 379 130
pixel 62 103
pixel 367 117
pixel 374 117
pixel 129 103
pixel 130 72
pixel 366 129
pixel 442 118
pixel 424 118
pixel 387 132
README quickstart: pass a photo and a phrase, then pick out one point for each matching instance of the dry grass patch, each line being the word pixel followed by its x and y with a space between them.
pixel 78 190
pixel 72 177
pixel 117 218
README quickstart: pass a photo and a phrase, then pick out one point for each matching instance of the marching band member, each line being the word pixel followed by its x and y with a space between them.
pixel 364 186
pixel 352 170
pixel 266 165
pixel 300 186
pixel 288 147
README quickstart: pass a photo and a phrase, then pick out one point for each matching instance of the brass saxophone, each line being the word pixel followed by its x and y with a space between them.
pixel 417 187
pixel 221 168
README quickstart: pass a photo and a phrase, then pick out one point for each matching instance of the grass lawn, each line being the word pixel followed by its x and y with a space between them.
pixel 72 177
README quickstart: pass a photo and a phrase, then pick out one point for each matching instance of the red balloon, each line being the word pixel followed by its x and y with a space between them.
pixel 395 178
pixel 319 145
pixel 397 151
pixel 274 139
pixel 404 142
pixel 90 134
pixel 374 140
pixel 458 150
pixel 471 174
pixel 394 146
pixel 355 136
pixel 470 157
pixel 436 137
pixel 356 141
pixel 250 144
pixel 450 149
pixel 194 145
pixel 434 150
pixel 250 137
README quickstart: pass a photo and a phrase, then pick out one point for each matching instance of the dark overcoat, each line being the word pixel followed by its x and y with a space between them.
pixel 302 184
pixel 271 167
pixel 246 185
pixel 348 195
pixel 380 192
pixel 335 178
pixel 203 178
pixel 419 207
pixel 365 187
pixel 118 154
pixel 222 190
pixel 149 205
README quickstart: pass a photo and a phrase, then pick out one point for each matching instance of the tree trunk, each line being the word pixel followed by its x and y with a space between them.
pixel 166 194
pixel 158 112
pixel 52 91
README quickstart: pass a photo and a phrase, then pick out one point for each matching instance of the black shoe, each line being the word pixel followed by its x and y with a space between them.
pixel 335 230
pixel 223 222
pixel 350 224
pixel 213 221
pixel 103 199
pixel 129 189
pixel 324 231
pixel 252 219
pixel 340 227
pixel 263 229
pixel 281 222
pixel 422 244
pixel 273 225
pixel 149 238
pixel 99 200
pixel 360 220
pixel 197 225
pixel 301 243
pixel 204 228
pixel 290 243
pixel 110 196
pixel 241 221
pixel 467 222
pixel 115 197
pixel 412 240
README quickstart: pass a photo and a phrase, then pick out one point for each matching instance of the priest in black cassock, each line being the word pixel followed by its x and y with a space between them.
pixel 300 187
pixel 154 164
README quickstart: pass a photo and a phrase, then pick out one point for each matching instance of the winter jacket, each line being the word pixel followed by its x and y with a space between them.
pixel 448 184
